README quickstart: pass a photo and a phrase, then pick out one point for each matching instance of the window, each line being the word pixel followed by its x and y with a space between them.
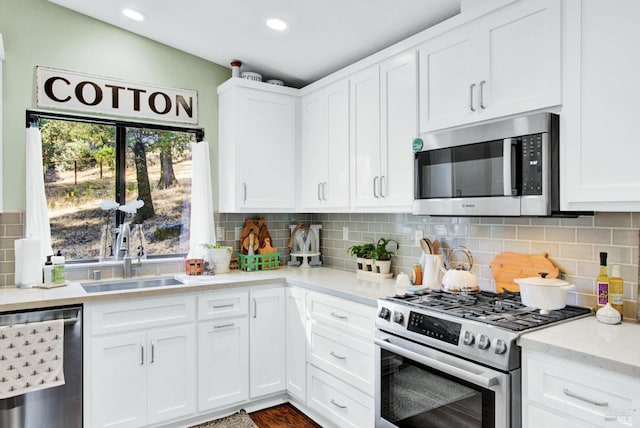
pixel 87 162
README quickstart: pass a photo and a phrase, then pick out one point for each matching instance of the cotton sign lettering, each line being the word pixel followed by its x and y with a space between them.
pixel 69 90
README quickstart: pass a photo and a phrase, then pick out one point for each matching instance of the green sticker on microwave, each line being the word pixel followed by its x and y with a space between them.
pixel 417 144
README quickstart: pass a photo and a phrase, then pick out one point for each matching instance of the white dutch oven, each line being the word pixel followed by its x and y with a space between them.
pixel 546 294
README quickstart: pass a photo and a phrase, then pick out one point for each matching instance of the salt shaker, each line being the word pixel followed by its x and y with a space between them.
pixel 235 68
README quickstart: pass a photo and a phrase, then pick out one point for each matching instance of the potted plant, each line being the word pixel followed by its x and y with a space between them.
pixel 361 253
pixel 218 257
pixel 382 255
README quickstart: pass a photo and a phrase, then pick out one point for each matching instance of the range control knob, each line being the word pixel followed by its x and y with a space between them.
pixel 468 338
pixel 483 342
pixel 384 313
pixel 500 347
pixel 398 317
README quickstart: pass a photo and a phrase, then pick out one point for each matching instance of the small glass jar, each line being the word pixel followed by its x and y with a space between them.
pixel 417 274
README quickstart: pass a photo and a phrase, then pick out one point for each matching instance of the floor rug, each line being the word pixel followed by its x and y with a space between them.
pixel 237 420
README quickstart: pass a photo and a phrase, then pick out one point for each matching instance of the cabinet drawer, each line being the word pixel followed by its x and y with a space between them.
pixel 222 305
pixel 136 314
pixel 538 417
pixel 597 396
pixel 349 317
pixel 337 401
pixel 344 357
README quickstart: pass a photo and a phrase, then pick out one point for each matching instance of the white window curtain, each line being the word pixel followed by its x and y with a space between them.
pixel 36 223
pixel 202 227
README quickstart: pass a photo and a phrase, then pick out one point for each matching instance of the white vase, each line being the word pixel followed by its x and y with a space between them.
pixel 220 258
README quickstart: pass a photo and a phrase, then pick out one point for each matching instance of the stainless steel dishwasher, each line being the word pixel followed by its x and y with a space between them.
pixel 56 407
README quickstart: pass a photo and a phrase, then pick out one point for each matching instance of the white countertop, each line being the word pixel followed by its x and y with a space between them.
pixel 340 283
pixel 612 347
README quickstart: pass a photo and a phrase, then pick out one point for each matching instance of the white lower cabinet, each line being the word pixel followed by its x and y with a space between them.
pixel 296 343
pixel 561 393
pixel 338 401
pixel 267 341
pixel 145 376
pixel 223 349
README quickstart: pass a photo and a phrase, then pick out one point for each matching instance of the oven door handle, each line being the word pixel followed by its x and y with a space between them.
pixel 477 379
pixel 508 166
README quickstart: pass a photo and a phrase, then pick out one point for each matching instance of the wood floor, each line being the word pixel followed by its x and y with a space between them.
pixel 282 416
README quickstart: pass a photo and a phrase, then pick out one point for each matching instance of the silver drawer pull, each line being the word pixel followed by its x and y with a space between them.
pixel 586 400
pixel 223 306
pixel 340 406
pixel 224 325
pixel 341 317
pixel 339 357
pixel 141 354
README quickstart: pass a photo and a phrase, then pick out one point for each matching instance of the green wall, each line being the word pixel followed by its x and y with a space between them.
pixel 37 32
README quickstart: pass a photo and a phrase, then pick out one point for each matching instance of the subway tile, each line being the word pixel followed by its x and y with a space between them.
pixel 625 237
pixel 480 231
pixel 503 232
pixel 545 221
pixel 615 255
pixel 576 251
pixel 567 267
pixel 492 245
pixel 560 234
pixel 582 221
pixel 550 248
pixel 513 246
pixel 635 220
pixel 630 310
pixel 612 220
pixel 439 230
pixel 571 298
pixel 11 217
pixel 587 300
pixel 630 291
pixel 523 221
pixel 470 243
pixel 7 267
pixel 383 218
pixel 7 243
pixel 588 269
pixel 491 220
pixel 530 233
pixel 458 230
pixel 594 235
pixel 3 230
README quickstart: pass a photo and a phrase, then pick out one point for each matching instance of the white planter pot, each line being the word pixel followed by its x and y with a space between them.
pixel 383 266
pixel 361 263
pixel 368 265
pixel 220 258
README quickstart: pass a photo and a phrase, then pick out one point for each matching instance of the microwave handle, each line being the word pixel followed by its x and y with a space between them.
pixel 508 170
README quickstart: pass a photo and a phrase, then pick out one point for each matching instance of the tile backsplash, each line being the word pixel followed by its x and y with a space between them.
pixel 573 244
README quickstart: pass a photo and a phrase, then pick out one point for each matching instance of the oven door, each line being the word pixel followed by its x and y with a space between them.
pixel 417 386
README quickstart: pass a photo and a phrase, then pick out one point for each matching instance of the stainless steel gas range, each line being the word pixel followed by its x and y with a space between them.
pixel 448 360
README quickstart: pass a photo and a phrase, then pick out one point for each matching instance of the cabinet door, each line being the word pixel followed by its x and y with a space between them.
pixel 449 79
pixel 521 59
pixel 267 341
pixel 335 190
pixel 315 149
pixel 365 138
pixel 265 158
pixel 118 381
pixel 399 104
pixel 296 342
pixel 171 373
pixel 599 134
pixel 223 363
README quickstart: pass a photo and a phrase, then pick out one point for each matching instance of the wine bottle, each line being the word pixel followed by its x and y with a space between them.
pixel 616 289
pixel 602 282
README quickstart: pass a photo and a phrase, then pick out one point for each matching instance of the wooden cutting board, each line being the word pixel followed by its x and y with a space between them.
pixel 508 266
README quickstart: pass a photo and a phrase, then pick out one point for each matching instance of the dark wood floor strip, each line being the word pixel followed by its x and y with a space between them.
pixel 282 416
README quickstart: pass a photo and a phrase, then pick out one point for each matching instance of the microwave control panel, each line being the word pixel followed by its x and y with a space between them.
pixel 532 164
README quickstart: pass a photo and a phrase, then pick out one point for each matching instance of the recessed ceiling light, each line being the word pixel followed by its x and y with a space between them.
pixel 132 14
pixel 276 24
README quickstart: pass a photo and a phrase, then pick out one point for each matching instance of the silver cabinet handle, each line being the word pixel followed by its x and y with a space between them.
pixel 244 192
pixel 482 106
pixel 324 191
pixel 586 400
pixel 223 306
pixel 224 325
pixel 471 88
pixel 153 351
pixel 382 183
pixel 255 308
pixel 319 185
pixel 341 317
pixel 141 353
pixel 375 194
pixel 340 406
pixel 339 357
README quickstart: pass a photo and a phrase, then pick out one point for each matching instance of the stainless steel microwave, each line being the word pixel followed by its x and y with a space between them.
pixel 503 168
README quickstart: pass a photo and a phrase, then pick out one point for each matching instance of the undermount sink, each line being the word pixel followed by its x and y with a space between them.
pixel 128 284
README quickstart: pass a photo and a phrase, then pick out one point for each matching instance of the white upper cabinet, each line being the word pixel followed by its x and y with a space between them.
pixel 256 148
pixel 383 125
pixel 504 63
pixel 325 149
pixel 599 135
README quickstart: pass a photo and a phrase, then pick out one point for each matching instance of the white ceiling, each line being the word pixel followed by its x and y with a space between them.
pixel 323 35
